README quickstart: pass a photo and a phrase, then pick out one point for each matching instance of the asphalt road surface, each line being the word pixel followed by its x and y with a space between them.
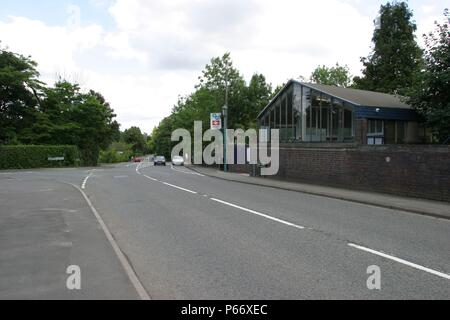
pixel 188 236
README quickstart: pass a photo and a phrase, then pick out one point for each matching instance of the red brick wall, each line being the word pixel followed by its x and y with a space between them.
pixel 408 170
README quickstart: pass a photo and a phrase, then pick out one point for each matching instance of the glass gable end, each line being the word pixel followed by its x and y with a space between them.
pixel 303 114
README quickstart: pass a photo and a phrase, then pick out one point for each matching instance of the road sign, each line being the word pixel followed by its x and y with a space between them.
pixel 216 121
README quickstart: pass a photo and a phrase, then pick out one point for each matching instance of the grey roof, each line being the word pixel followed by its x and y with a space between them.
pixel 360 98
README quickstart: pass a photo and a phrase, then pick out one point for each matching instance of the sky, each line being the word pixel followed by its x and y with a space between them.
pixel 143 54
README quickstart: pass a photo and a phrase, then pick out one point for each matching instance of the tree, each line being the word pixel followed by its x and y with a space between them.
pixel 68 116
pixel 431 97
pixel 95 126
pixel 334 76
pixel 20 94
pixel 244 103
pixel 135 137
pixel 217 75
pixel 258 97
pixel 396 60
pixel 161 138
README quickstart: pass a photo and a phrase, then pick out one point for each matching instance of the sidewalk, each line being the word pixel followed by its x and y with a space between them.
pixel 414 205
pixel 46 227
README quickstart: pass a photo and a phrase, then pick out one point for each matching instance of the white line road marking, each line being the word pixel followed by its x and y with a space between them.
pixel 413 265
pixel 177 187
pixel 259 214
pixel 140 166
pixel 137 168
pixel 83 185
pixel 170 185
pixel 153 179
pixel 186 172
pixel 126 265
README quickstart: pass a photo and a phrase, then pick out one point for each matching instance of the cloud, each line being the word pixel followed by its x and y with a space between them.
pixel 185 34
pixel 53 47
pixel 156 49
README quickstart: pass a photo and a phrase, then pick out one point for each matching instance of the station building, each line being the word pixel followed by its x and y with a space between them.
pixel 314 113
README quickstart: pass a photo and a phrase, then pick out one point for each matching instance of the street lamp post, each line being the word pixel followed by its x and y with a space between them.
pixel 225 127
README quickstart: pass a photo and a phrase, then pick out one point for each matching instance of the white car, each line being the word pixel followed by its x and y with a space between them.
pixel 178 161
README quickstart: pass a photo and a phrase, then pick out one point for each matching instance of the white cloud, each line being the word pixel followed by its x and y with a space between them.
pixel 158 48
pixel 54 48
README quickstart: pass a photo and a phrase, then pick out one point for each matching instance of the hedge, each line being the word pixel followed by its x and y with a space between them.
pixel 26 156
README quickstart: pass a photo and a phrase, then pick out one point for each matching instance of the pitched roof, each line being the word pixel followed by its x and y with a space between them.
pixel 360 98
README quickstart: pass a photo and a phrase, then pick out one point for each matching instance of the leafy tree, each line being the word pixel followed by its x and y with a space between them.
pixel 431 97
pixel 217 76
pixel 95 127
pixel 68 116
pixel 259 93
pixel 20 94
pixel 396 59
pixel 117 152
pixel 135 137
pixel 31 113
pixel 277 90
pixel 334 76
pixel 244 102
pixel 161 138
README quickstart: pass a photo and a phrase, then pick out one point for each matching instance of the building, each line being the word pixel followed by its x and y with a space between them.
pixel 305 112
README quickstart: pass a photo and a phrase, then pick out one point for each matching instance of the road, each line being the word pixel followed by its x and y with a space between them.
pixel 188 236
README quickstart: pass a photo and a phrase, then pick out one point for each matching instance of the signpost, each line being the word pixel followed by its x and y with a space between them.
pixel 216 121
pixel 56 159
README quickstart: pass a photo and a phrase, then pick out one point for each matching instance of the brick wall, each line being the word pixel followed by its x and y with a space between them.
pixel 408 170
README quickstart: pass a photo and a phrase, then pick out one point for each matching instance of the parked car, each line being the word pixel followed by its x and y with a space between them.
pixel 159 161
pixel 178 161
pixel 137 159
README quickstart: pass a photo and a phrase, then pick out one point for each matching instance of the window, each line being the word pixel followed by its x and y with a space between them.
pixel 401 131
pixel 283 119
pixel 337 120
pixel 277 115
pixel 349 122
pixel 308 114
pixel 314 132
pixel 272 118
pixel 290 117
pixel 375 127
pixel 326 122
pixel 395 132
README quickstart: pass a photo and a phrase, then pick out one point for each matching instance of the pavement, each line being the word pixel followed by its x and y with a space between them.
pixel 187 235
pixel 46 226
pixel 414 205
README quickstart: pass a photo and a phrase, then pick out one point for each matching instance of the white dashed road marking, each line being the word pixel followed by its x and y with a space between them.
pixel 187 172
pixel 83 185
pixel 259 214
pixel 180 188
pixel 153 179
pixel 410 264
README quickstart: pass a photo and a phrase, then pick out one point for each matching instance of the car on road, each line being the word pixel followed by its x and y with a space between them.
pixel 159 161
pixel 178 161
pixel 137 159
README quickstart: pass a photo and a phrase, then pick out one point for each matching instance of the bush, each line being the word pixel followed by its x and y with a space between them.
pixel 118 152
pixel 26 157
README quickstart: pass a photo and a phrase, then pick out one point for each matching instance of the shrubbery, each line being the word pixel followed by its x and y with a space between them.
pixel 28 156
pixel 116 153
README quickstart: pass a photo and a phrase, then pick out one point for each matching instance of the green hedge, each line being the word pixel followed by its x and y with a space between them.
pixel 26 157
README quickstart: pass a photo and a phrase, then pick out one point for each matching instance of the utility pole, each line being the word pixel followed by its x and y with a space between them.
pixel 225 124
